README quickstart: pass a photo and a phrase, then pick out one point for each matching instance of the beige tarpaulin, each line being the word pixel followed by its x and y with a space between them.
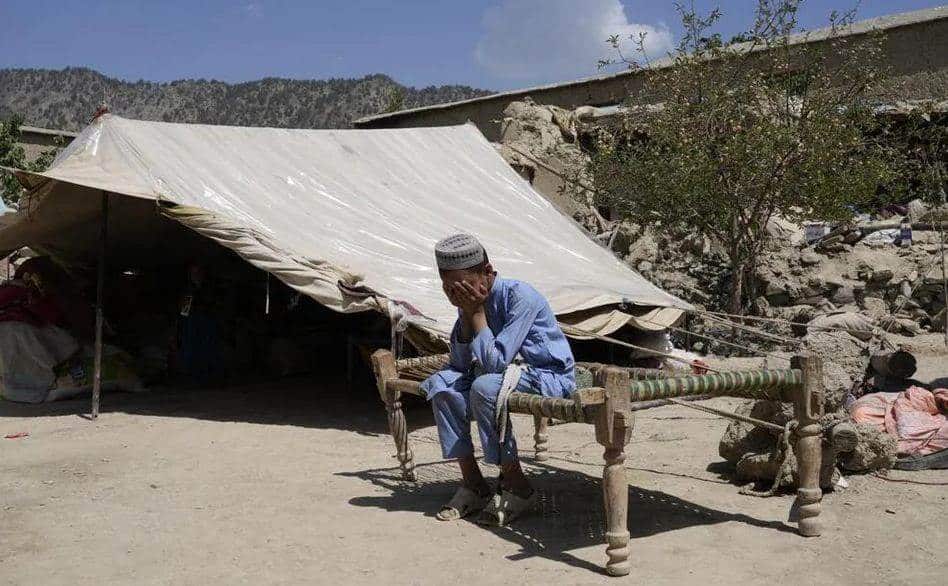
pixel 347 217
pixel 604 321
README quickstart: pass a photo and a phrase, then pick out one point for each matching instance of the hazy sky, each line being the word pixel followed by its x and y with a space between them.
pixel 493 44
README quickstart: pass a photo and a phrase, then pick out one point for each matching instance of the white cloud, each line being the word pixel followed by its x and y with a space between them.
pixel 253 9
pixel 557 40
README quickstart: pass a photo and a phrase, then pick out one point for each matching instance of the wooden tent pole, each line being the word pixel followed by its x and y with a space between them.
pixel 99 295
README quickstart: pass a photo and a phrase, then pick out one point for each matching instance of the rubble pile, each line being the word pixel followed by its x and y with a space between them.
pixel 863 270
pixel 755 453
pixel 838 293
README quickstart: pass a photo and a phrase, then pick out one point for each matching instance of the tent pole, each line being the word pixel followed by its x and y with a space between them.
pixel 99 295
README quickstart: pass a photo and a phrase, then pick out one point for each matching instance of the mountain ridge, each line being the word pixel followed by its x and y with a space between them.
pixel 66 99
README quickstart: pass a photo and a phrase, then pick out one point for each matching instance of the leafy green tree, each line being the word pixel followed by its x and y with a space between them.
pixel 731 135
pixel 13 155
pixel 920 135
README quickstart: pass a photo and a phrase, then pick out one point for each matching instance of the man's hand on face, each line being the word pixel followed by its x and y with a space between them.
pixel 452 295
pixel 469 297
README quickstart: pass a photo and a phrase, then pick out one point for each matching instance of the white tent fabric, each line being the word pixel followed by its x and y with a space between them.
pixel 348 217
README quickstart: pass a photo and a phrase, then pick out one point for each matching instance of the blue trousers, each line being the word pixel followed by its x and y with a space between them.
pixel 457 399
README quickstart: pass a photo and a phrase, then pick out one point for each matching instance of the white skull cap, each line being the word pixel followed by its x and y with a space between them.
pixel 459 251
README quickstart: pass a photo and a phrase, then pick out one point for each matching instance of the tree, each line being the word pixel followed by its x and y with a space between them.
pixel 728 136
pixel 395 100
pixel 12 155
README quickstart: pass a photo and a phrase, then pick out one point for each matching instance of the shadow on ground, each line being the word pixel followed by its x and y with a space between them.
pixel 325 402
pixel 569 513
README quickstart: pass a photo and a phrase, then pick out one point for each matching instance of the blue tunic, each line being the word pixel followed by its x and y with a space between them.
pixel 519 321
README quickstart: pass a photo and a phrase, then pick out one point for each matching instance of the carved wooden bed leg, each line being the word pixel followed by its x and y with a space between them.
pixel 541 439
pixel 613 430
pixel 383 363
pixel 808 408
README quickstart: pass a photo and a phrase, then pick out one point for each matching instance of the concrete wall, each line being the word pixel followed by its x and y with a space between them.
pixel 916 59
pixel 35 141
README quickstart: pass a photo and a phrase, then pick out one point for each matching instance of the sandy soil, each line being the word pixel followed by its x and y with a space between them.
pixel 296 484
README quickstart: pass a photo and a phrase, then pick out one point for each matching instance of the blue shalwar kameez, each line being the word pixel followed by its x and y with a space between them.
pixel 519 321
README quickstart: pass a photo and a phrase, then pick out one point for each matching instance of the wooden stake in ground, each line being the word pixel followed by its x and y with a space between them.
pixel 99 296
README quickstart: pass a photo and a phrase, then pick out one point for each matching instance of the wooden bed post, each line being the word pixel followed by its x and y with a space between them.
pixel 808 408
pixel 383 363
pixel 99 300
pixel 541 438
pixel 613 431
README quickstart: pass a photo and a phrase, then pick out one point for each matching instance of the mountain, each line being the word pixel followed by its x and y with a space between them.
pixel 67 98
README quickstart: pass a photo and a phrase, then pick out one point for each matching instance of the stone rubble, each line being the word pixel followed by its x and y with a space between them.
pixel 896 289
pixel 858 279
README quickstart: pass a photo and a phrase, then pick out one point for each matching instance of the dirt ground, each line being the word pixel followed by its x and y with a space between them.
pixel 296 483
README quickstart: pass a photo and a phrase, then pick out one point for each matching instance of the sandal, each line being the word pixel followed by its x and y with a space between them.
pixel 505 508
pixel 465 502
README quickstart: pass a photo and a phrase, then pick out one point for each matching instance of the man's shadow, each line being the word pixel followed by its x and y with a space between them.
pixel 568 515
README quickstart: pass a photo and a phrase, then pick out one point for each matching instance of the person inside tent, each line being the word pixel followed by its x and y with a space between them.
pixel 198 349
pixel 499 319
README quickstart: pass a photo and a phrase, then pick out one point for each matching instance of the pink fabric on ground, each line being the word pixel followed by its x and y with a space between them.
pixel 915 416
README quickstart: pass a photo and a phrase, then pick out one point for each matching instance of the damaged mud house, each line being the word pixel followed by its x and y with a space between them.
pixel 197 281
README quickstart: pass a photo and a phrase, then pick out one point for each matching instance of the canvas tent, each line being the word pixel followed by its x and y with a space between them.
pixel 347 217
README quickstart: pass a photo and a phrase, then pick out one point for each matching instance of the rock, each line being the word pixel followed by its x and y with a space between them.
pixel 761 306
pixel 917 209
pixel 843 296
pixel 810 258
pixel 752 450
pixel 938 321
pixel 845 361
pixel 814 286
pixel 776 296
pixel 755 454
pixel 625 235
pixel 874 306
pixel 875 450
pixel 854 324
pixel 816 300
pixel 852 237
pixel 837 248
pixel 881 276
pixel 899 325
pixel 905 303
pixel 645 267
pixel 645 247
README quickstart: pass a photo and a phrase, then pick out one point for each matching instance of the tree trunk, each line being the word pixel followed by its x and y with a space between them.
pixel 737 285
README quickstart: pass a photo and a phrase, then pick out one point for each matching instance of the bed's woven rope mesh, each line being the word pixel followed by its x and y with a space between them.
pixel 775 385
pixel 562 409
pixel 422 367
pixel 753 384
pixel 645 385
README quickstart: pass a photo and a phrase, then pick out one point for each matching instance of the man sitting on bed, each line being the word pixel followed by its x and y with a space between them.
pixel 498 320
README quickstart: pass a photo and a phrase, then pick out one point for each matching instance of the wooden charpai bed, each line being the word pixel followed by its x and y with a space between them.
pixel 607 397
